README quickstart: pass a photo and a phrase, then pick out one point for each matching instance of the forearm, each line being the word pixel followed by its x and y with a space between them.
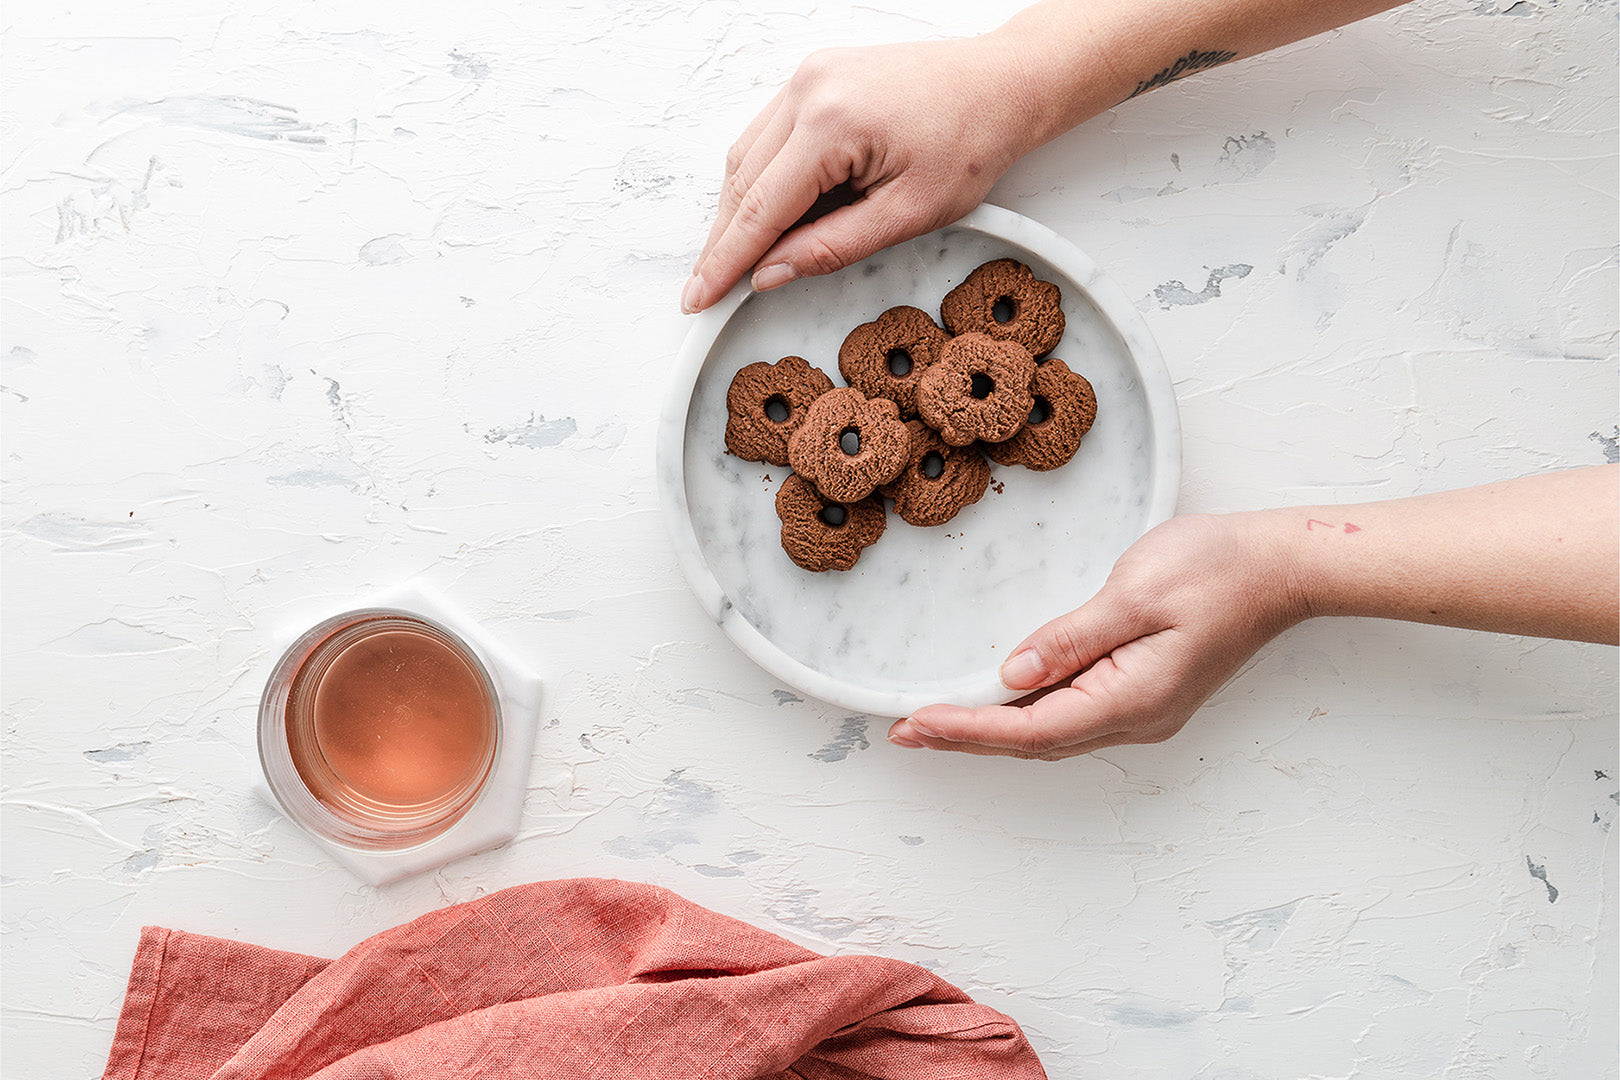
pixel 1187 605
pixel 1538 555
pixel 1080 57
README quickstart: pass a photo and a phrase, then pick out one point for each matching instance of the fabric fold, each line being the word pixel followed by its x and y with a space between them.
pixel 577 978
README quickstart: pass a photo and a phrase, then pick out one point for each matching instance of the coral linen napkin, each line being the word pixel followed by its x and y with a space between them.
pixel 559 979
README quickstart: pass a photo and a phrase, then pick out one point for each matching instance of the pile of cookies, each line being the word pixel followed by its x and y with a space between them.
pixel 923 409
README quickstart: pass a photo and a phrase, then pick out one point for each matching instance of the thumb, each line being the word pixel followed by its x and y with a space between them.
pixel 877 220
pixel 1073 642
pixel 1037 725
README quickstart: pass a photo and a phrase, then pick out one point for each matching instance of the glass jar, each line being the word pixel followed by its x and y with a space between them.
pixel 379 729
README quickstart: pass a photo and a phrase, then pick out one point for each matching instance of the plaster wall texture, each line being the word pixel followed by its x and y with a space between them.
pixel 304 300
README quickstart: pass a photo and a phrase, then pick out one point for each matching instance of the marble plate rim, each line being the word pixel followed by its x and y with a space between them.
pixel 707 326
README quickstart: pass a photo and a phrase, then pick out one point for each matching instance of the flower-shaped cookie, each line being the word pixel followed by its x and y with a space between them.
pixel 819 534
pixel 1065 406
pixel 886 357
pixel 938 480
pixel 767 403
pixel 1005 300
pixel 977 389
pixel 850 444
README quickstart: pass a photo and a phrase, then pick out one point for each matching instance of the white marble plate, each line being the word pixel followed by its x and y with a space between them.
pixel 926 615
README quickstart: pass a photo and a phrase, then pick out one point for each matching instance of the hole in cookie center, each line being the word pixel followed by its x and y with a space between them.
pixel 933 464
pixel 849 441
pixel 982 385
pixel 1041 413
pixel 899 363
pixel 776 408
pixel 1004 310
pixel 832 515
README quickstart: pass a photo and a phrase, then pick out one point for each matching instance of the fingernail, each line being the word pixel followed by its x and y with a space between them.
pixel 773 276
pixel 922 729
pixel 1022 670
pixel 691 294
pixel 901 732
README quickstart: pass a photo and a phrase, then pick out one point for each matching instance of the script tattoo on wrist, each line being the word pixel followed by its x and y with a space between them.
pixel 1194 61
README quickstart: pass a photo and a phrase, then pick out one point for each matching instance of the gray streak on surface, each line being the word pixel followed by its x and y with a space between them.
pixel 313 478
pixel 383 251
pixel 1175 294
pixel 128 751
pixel 469 66
pixel 229 114
pixel 70 532
pixel 1329 228
pixel 1610 445
pixel 793 908
pixel 676 805
pixel 1258 930
pixel 1245 156
pixel 536 433
pixel 683 799
pixel 1540 874
pixel 143 860
pixel 717 871
pixel 851 737
pixel 1152 1014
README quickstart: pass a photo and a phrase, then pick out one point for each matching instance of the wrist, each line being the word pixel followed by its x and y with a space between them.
pixel 1279 570
pixel 1059 67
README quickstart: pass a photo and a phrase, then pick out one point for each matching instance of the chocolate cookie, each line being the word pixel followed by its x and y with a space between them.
pixel 1065 406
pixel 765 405
pixel 939 479
pixel 977 389
pixel 1005 300
pixel 850 444
pixel 819 534
pixel 885 357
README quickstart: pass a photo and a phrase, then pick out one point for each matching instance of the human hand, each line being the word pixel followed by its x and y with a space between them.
pixel 919 132
pixel 1180 613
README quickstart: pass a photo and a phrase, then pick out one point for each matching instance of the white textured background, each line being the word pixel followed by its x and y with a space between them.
pixel 308 298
